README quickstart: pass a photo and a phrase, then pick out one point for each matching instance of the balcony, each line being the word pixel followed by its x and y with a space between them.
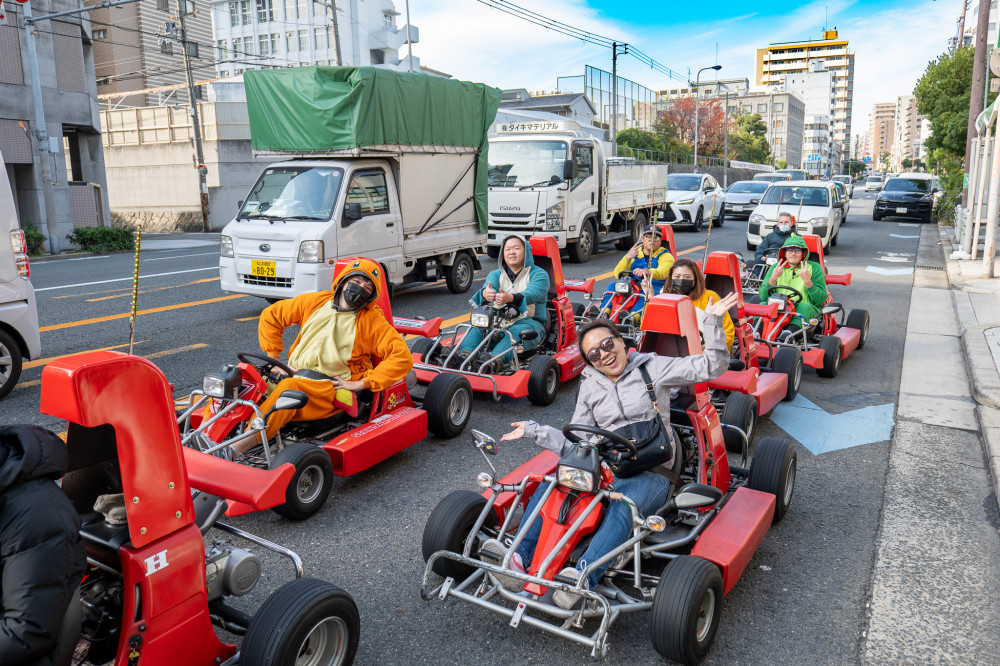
pixel 391 38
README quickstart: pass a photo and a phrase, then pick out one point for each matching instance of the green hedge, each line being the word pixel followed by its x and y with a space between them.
pixel 102 239
pixel 34 238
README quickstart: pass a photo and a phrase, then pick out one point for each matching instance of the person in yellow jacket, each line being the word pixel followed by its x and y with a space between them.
pixel 340 332
pixel 685 278
pixel 646 259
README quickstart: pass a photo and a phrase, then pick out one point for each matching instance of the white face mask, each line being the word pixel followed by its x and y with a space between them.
pixel 784 227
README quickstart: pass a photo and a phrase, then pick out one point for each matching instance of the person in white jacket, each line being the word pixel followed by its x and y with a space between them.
pixel 613 395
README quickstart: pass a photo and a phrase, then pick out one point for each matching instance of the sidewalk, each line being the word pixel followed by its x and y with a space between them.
pixel 153 242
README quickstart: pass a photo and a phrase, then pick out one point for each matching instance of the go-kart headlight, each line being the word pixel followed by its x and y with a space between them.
pixel 224 383
pixel 576 478
pixel 686 202
pixel 780 300
pixel 771 260
pixel 623 287
pixel 311 252
pixel 554 217
pixel 480 319
pixel 225 246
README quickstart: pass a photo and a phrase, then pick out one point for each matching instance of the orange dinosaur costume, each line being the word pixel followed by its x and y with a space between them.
pixel 337 343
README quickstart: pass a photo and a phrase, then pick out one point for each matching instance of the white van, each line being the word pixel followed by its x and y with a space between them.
pixel 19 338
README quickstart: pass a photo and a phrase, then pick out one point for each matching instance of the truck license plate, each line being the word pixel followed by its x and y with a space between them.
pixel 900 210
pixel 261 268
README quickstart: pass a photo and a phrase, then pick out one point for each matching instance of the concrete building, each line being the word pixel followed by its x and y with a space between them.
pixel 707 89
pixel 69 94
pixel 907 143
pixel 778 61
pixel 574 106
pixel 784 115
pixel 923 133
pixel 883 132
pixel 132 50
pixel 817 146
pixel 813 87
pixel 269 33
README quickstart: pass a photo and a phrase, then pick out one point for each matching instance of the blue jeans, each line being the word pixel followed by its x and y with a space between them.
pixel 475 336
pixel 648 490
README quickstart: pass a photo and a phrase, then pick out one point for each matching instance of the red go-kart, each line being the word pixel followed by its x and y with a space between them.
pixel 226 409
pixel 824 343
pixel 151 593
pixel 536 373
pixel 705 535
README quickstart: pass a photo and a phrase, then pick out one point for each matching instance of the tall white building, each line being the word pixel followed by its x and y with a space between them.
pixel 250 34
pixel 814 87
pixel 907 143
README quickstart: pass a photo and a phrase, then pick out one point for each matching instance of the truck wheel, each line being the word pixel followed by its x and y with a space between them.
pixel 544 380
pixel 448 402
pixel 308 622
pixel 740 410
pixel 493 251
pixel 859 319
pixel 789 361
pixel 447 528
pixel 699 219
pixel 10 363
pixel 686 609
pixel 772 470
pixel 310 485
pixel 638 226
pixel 833 351
pixel 459 276
pixel 583 248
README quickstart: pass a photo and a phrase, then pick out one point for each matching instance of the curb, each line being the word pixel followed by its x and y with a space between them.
pixel 982 366
pixel 65 255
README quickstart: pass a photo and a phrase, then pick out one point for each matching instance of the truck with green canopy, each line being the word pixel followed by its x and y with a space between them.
pixel 370 162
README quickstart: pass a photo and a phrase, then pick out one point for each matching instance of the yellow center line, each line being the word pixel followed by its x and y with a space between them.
pixel 248 318
pixel 179 350
pixel 43 361
pixel 125 315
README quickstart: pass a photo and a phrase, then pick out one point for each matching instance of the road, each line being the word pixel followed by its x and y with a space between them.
pixel 803 596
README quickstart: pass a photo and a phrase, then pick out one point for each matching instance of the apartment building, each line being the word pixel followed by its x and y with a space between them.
pixel 883 132
pixel 784 115
pixel 907 140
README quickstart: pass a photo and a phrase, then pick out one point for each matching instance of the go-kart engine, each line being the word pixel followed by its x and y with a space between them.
pixel 231 571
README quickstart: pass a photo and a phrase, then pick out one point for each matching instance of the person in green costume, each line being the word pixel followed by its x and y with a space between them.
pixel 796 271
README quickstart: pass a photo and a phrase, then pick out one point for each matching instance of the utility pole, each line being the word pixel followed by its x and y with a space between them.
pixel 976 94
pixel 614 95
pixel 725 154
pixel 961 24
pixel 409 44
pixel 195 122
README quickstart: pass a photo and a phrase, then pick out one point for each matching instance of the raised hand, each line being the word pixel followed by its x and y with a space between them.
pixel 516 433
pixel 720 307
pixel 806 276
pixel 634 252
pixel 780 266
pixel 489 293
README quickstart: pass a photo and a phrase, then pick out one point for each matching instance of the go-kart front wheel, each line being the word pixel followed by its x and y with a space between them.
pixel 773 471
pixel 307 622
pixel 686 609
pixel 448 403
pixel 788 360
pixel 860 320
pixel 447 528
pixel 310 485
pixel 543 382
pixel 740 411
pixel 833 353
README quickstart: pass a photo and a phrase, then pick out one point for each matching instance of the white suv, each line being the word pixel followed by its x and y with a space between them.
pixel 815 206
pixel 693 197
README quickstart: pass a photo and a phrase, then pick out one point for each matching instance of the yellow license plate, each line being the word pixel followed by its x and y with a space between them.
pixel 262 268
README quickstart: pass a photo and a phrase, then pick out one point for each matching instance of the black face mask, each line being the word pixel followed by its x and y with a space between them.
pixel 355 296
pixel 683 286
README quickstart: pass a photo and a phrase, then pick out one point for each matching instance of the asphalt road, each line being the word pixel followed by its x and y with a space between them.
pixel 802 599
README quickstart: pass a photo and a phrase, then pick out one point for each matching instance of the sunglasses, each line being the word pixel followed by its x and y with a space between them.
pixel 606 345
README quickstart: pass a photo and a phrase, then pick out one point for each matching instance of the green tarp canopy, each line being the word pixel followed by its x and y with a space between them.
pixel 317 110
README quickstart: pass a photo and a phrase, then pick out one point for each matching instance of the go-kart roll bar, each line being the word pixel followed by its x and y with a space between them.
pixel 231 404
pixel 439 370
pixel 270 545
pixel 487 339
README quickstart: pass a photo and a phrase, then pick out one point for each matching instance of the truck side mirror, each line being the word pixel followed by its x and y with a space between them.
pixel 353 212
pixel 570 170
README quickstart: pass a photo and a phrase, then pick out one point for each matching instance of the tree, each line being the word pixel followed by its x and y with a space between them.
pixel 670 136
pixel 748 139
pixel 641 140
pixel 907 163
pixel 782 164
pixel 883 160
pixel 943 96
pixel 711 117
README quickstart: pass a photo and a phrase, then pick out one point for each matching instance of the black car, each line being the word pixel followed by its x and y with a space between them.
pixel 903 196
pixel 743 196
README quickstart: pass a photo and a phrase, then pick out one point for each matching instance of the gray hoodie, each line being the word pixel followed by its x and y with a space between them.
pixel 613 405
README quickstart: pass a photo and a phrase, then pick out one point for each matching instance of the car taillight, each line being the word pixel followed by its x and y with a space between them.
pixel 20 253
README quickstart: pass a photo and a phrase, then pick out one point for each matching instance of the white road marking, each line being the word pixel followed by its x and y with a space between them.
pixel 898 236
pixel 179 256
pixel 126 279
pixel 889 271
pixel 38 264
pixel 907 224
pixel 894 259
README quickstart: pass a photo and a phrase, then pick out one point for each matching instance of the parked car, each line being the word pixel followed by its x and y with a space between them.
pixel 795 174
pixel 691 197
pixel 873 183
pixel 843 196
pixel 743 196
pixel 772 177
pixel 848 182
pixel 814 204
pixel 910 196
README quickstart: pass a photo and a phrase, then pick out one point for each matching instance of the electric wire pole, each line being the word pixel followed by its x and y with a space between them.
pixel 195 122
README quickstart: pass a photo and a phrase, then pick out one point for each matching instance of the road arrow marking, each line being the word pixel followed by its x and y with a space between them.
pixel 822 432
pixel 889 271
pixel 899 236
pixel 893 259
pixel 907 224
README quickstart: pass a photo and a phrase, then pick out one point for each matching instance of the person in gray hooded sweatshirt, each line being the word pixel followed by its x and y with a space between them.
pixel 613 395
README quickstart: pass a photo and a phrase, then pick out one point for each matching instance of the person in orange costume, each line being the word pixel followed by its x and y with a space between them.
pixel 341 330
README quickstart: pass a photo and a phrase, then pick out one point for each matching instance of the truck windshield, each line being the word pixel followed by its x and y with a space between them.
pixel 289 192
pixel 685 183
pixel 807 196
pixel 521 163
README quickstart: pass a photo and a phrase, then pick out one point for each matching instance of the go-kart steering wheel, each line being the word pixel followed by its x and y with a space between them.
pixel 794 295
pixel 268 362
pixel 610 441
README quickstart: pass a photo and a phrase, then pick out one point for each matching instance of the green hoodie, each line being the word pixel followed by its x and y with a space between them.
pixel 814 296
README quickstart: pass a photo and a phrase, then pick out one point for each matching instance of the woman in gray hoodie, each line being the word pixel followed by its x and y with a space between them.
pixel 613 395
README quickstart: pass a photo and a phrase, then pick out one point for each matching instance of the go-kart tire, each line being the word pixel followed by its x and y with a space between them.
pixel 448 526
pixel 686 609
pixel 860 320
pixel 421 346
pixel 789 361
pixel 493 251
pixel 310 485
pixel 740 410
pixel 579 309
pixel 308 622
pixel 543 384
pixel 459 276
pixel 833 352
pixel 583 248
pixel 638 226
pixel 752 300
pixel 772 470
pixel 11 362
pixel 448 403
pixel 699 220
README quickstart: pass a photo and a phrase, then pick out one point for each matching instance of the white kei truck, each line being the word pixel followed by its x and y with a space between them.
pixel 375 163
pixel 552 177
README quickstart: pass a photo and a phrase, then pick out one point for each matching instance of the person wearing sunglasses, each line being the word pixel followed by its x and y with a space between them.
pixel 794 270
pixel 612 396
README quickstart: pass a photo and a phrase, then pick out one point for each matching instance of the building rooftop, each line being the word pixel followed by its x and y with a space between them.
pixel 546 100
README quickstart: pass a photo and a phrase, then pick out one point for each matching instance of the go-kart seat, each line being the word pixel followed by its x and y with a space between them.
pixel 336 420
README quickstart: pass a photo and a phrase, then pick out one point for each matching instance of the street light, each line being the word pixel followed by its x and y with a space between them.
pixel 697 88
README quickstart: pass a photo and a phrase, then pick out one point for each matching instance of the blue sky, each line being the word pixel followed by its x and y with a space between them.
pixel 892 40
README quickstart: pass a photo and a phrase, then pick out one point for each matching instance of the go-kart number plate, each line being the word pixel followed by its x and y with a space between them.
pixel 900 210
pixel 262 268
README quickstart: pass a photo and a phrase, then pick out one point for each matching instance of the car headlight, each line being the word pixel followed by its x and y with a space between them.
pixel 757 218
pixel 225 246
pixel 819 221
pixel 685 202
pixel 554 217
pixel 480 319
pixel 311 252
pixel 575 478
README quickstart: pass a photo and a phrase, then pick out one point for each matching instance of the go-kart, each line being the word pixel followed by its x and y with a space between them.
pixel 152 592
pixel 752 278
pixel 679 562
pixel 536 373
pixel 753 385
pixel 226 409
pixel 824 342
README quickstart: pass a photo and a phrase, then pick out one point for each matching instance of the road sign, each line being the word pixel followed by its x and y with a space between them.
pixel 814 158
pixel 995 62
pixel 995 85
pixel 866 160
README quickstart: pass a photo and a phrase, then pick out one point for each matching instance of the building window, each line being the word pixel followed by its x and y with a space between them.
pixel 100 34
pixel 300 9
pixel 778 124
pixel 778 106
pixel 303 40
pixel 245 12
pixel 234 17
pixel 221 52
pixel 377 57
pixel 265 11
pixel 319 39
pixel 290 42
pixel 387 20
pixel 762 108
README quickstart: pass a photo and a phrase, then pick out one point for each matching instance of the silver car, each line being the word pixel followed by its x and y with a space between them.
pixel 743 196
